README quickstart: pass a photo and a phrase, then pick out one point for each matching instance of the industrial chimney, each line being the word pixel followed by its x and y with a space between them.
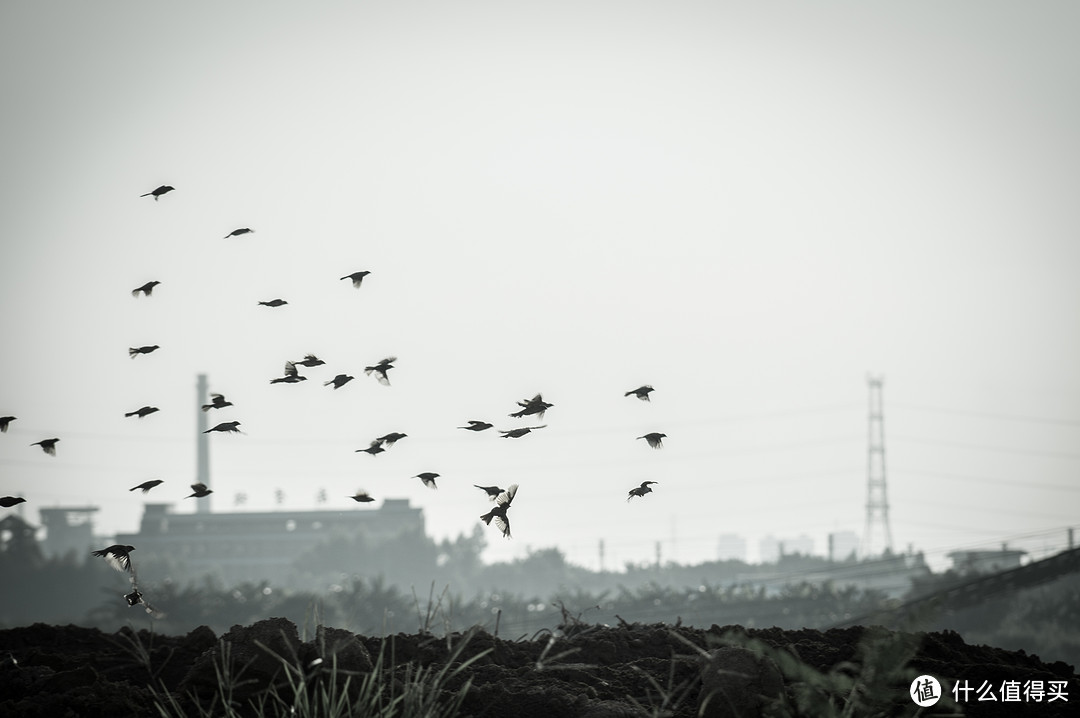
pixel 202 445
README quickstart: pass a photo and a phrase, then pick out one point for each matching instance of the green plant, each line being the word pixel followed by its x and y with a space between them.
pixel 874 685
pixel 322 689
pixel 132 644
pixel 664 701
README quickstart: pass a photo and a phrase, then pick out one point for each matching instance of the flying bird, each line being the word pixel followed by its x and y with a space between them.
pixel 374 448
pixel 491 491
pixel 474 425
pixel 654 439
pixel 117 556
pixel 642 392
pixel 641 490
pixel 536 405
pixel 380 370
pixel 391 438
pixel 144 411
pixel 338 381
pixel 230 426
pixel 238 232
pixel 135 351
pixel 362 497
pixel 356 277
pixel 147 289
pixel 498 514
pixel 163 189
pixel 292 375
pixel 273 303
pixel 47 445
pixel 4 421
pixel 217 401
pixel 200 491
pixel 8 501
pixel 310 360
pixel 428 477
pixel 520 432
pixel 146 485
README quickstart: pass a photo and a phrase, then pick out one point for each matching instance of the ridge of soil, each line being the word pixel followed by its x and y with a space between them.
pixel 587 671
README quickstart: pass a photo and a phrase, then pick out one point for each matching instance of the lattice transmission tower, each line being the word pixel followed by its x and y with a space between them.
pixel 877 499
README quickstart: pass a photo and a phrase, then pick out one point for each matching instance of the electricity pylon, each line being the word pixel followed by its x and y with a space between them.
pixel 877 500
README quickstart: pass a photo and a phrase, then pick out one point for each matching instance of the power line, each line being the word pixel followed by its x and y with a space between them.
pixel 983 447
pixel 990 480
pixel 987 414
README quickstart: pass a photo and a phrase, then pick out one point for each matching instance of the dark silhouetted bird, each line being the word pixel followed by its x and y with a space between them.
pixel 163 189
pixel 642 392
pixel 520 432
pixel 146 485
pixel 641 490
pixel 428 477
pixel 136 351
pixel 380 370
pixel 273 303
pixel 117 556
pixel 362 497
pixel 391 438
pixel 217 401
pixel 238 232
pixel 292 375
pixel 654 439
pixel 356 277
pixel 310 360
pixel 144 411
pixel 200 491
pixel 4 421
pixel 374 448
pixel 498 514
pixel 230 426
pixel 146 289
pixel 491 491
pixel 536 405
pixel 338 381
pixel 474 425
pixel 47 445
pixel 8 501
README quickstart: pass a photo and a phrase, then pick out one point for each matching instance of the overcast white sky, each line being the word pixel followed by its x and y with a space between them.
pixel 750 206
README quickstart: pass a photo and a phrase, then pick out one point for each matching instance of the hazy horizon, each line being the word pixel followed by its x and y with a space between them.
pixel 750 207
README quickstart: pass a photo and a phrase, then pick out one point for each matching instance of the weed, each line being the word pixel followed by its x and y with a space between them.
pixel 323 689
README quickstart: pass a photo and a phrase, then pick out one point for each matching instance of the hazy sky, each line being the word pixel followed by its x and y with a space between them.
pixel 750 206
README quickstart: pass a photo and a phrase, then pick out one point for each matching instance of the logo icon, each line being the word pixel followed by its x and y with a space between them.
pixel 925 691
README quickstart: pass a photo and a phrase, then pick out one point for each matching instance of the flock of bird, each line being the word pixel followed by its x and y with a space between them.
pixel 119 556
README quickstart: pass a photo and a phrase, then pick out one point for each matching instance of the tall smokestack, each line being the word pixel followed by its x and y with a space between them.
pixel 202 445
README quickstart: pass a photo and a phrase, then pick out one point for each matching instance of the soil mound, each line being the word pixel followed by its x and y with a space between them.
pixel 581 670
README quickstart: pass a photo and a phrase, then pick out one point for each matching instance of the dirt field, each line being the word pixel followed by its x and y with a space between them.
pixel 583 670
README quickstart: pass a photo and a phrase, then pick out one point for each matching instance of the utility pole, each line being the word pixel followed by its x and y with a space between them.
pixel 601 555
pixel 877 501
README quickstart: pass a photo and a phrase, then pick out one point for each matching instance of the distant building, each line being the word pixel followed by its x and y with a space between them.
pixel 843 545
pixel 973 562
pixel 731 547
pixel 801 544
pixel 770 548
pixel 17 537
pixel 68 530
pixel 253 546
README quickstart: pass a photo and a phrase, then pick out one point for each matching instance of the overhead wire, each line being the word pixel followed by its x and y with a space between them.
pixel 986 414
